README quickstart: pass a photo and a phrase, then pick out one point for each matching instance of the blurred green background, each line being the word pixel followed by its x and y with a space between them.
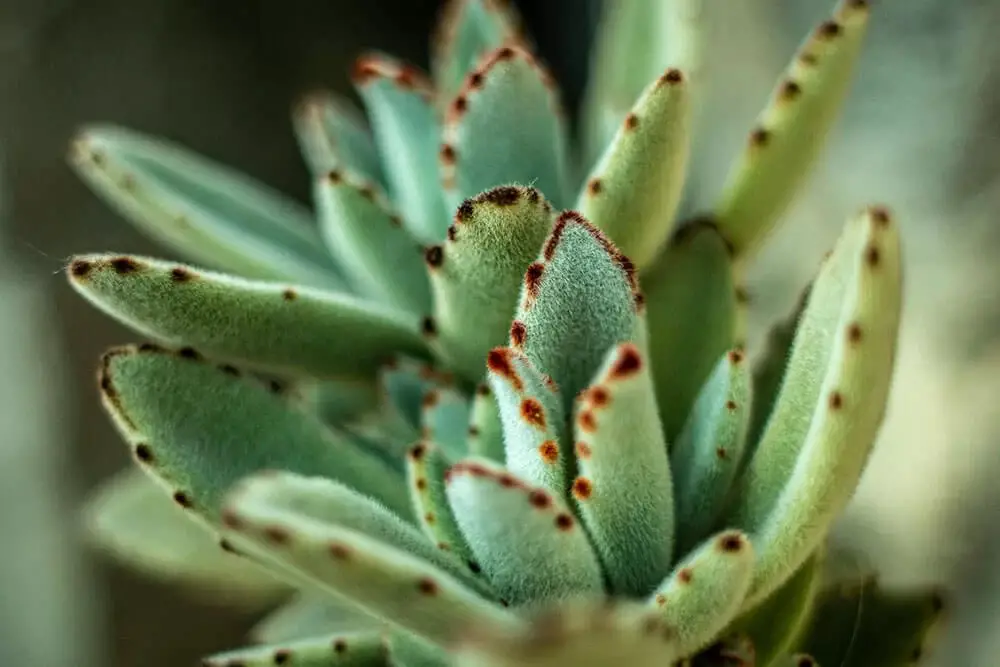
pixel 920 134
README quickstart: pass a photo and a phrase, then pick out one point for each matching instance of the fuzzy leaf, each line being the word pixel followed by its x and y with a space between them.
pixel 776 626
pixel 769 370
pixel 636 41
pixel 633 191
pixel 467 30
pixel 202 209
pixel 404 590
pixel 624 490
pixel 315 500
pixel 270 326
pixel 133 519
pixel 706 456
pixel 477 274
pixel 792 130
pixel 199 429
pixel 706 589
pixel 379 257
pixel 486 429
pixel 506 127
pixel 690 308
pixel 526 540
pixel 865 625
pixel 580 298
pixel 533 421
pixel 309 615
pixel 581 633
pixel 350 650
pixel 407 131
pixel 426 465
pixel 333 134
pixel 337 401
pixel 405 381
pixel 831 403
pixel 445 420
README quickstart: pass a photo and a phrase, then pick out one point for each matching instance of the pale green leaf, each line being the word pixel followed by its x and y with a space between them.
pixel 349 650
pixel 332 134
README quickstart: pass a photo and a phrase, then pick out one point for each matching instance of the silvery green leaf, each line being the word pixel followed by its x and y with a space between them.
pixel 333 134
pixel 350 650
pixel 486 428
pixel 478 272
pixel 624 492
pixel 270 326
pixel 308 615
pixel 398 99
pixel 426 465
pixel 202 209
pixel 378 256
pixel 792 130
pixel 506 127
pixel 527 541
pixel 199 428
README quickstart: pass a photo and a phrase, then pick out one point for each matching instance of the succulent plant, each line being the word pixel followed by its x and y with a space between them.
pixel 495 408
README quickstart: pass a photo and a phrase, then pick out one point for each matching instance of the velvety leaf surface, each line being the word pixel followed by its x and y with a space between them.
pixel 478 273
pixel 707 454
pixel 486 429
pixel 132 519
pixel 792 130
pixel 527 541
pixel 533 421
pixel 426 465
pixel 580 298
pixel 199 429
pixel 445 420
pixel 624 492
pixel 270 326
pixel 379 257
pixel 349 650
pixel 832 401
pixel 705 590
pixel 407 133
pixel 333 134
pixel 467 30
pixel 690 310
pixel 506 127
pixel 310 615
pixel 204 210
pixel 633 191
pixel 407 591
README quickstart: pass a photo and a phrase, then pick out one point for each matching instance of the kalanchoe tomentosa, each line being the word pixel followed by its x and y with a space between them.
pixel 495 408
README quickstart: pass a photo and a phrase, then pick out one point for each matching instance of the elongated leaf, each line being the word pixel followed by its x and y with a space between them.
pixel 380 258
pixel 769 371
pixel 279 495
pixel 526 539
pixel 131 518
pixel 690 308
pixel 636 41
pixel 579 299
pixel 466 31
pixel 792 130
pixel 486 429
pixel 777 625
pixel 405 382
pixel 533 421
pixel 848 408
pixel 706 455
pixel 478 272
pixel 445 420
pixel 267 325
pixel 310 615
pixel 705 590
pixel 865 625
pixel 624 491
pixel 407 133
pixel 349 650
pixel 582 633
pixel 333 134
pixel 506 127
pixel 199 429
pixel 202 209
pixel 426 466
pixel 633 191
pixel 406 591
pixel 846 282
